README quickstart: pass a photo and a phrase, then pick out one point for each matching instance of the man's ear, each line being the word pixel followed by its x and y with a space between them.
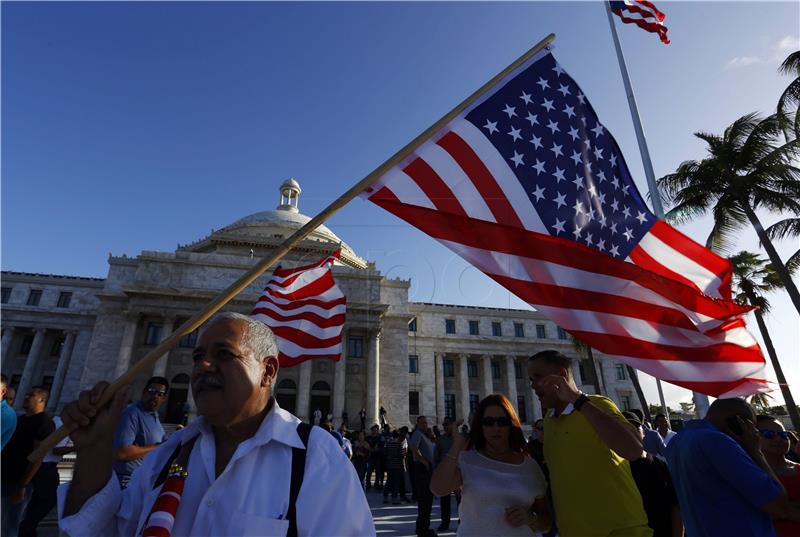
pixel 271 368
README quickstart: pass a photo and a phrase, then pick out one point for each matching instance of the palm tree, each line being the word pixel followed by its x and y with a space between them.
pixel 752 277
pixel 791 95
pixel 760 402
pixel 746 169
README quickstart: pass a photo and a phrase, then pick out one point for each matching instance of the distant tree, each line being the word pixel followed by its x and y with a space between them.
pixel 687 408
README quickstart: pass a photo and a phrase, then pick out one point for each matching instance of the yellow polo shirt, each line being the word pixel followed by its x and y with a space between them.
pixel 593 490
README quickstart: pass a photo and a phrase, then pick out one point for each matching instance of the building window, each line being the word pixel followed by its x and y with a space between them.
pixel 474 328
pixel 497 329
pixel 620 371
pixel 413 403
pixel 34 297
pixel 473 402
pixel 58 344
pixel 188 341
pixel 625 401
pixel 450 405
pixel 522 409
pixel 450 326
pixel 6 295
pixel 472 369
pixel 448 368
pixel 47 382
pixel 412 325
pixel 540 333
pixel 519 330
pixel 581 370
pixel 355 347
pixel 413 365
pixel 27 343
pixel 517 370
pixel 64 299
pixel 15 380
pixel 562 334
pixel 153 334
pixel 495 370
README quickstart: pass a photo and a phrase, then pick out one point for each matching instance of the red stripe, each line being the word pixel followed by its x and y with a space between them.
pixel 315 288
pixel 325 304
pixel 481 177
pixel 659 15
pixel 283 272
pixel 652 12
pixel 644 260
pixel 320 321
pixel 433 186
pixel 289 361
pixel 167 504
pixel 304 339
pixel 697 253
pixel 654 27
pixel 715 389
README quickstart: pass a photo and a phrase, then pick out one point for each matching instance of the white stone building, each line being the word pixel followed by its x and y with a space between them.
pixel 411 358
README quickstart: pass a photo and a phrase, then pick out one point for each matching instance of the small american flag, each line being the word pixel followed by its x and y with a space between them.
pixel 305 309
pixel 643 14
pixel 528 186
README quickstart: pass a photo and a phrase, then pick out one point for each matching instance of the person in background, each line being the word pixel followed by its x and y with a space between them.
pixel 8 418
pixel 361 457
pixel 374 464
pixel 652 442
pixel 317 416
pixel 724 484
pixel 362 416
pixel 655 485
pixel 396 448
pixel 139 430
pixel 382 417
pixel 774 443
pixel 663 428
pixel 444 443
pixel 503 490
pixel 536 443
pixel 11 396
pixel 421 447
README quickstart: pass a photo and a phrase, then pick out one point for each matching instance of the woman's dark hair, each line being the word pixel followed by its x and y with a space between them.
pixel 516 439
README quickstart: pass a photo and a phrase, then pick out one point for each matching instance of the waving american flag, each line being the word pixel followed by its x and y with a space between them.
pixel 643 14
pixel 531 188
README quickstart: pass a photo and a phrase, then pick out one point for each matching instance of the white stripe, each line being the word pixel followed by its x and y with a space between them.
pixel 454 177
pixel 280 279
pixel 293 350
pixel 327 313
pixel 170 493
pixel 406 190
pixel 666 255
pixel 501 172
pixel 693 371
pixel 333 293
pixel 303 325
pixel 161 519
pixel 304 278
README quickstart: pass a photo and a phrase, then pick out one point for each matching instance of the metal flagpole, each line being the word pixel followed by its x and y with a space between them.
pixel 700 400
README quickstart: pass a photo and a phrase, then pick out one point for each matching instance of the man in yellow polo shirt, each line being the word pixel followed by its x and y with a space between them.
pixel 587 446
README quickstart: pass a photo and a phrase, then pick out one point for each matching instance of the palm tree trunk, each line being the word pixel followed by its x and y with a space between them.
pixel 639 393
pixel 791 408
pixel 774 258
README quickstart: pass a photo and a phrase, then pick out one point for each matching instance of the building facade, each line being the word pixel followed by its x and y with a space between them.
pixel 68 333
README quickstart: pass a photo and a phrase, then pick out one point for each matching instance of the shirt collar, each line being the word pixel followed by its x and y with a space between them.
pixel 566 412
pixel 143 410
pixel 278 425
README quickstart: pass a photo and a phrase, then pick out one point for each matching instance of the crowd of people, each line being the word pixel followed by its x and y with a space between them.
pixel 245 466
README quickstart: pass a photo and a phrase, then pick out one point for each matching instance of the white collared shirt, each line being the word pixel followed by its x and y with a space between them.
pixel 250 497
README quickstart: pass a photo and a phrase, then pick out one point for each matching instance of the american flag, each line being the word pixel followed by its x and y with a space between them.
pixel 528 186
pixel 643 14
pixel 305 309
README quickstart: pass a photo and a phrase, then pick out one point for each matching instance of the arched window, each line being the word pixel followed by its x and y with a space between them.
pixel 287 385
pixel 321 386
pixel 180 378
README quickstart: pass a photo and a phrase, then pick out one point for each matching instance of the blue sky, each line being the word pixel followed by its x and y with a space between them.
pixel 137 126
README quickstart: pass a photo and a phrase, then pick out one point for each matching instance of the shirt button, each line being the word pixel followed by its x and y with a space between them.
pixel 209 503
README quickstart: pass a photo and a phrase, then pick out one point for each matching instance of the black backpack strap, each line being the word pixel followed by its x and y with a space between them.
pixel 298 471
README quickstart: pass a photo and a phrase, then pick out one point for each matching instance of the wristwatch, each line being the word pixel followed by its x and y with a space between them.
pixel 580 401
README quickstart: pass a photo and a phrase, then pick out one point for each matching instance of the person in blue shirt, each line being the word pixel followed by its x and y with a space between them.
pixel 8 418
pixel 724 484
pixel 139 430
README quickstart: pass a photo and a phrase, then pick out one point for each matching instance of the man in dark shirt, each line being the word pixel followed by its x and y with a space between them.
pixel 443 445
pixel 17 472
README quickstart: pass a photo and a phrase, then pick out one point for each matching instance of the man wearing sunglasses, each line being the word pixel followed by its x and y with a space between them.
pixel 139 431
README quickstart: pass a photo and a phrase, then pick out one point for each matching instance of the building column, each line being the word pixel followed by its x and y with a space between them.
pixel 486 380
pixel 536 405
pixel 126 348
pixel 31 363
pixel 339 375
pixel 511 382
pixel 463 386
pixel 5 345
pixel 304 391
pixel 439 376
pixel 373 378
pixel 160 369
pixel 61 369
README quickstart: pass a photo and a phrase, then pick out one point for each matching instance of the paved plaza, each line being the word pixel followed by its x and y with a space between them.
pixel 398 520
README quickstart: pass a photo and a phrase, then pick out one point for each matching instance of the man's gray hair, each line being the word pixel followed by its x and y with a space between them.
pixel 258 336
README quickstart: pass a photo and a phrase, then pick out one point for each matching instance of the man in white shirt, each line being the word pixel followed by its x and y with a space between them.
pixel 662 426
pixel 239 455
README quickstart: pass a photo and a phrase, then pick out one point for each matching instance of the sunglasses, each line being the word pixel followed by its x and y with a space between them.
pixel 769 435
pixel 489 421
pixel 153 391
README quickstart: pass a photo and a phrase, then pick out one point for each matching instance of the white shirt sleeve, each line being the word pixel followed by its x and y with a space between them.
pixel 97 516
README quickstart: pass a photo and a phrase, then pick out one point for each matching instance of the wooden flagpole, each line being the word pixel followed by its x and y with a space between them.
pixel 143 365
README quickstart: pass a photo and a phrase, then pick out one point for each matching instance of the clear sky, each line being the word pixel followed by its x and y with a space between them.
pixel 138 126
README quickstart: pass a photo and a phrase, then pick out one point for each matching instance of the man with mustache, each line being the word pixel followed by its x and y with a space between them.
pixel 247 466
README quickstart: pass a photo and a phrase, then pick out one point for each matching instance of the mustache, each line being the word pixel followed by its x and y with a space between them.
pixel 207 381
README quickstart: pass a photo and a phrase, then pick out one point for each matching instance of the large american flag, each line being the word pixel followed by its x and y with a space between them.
pixel 528 186
pixel 643 14
pixel 305 309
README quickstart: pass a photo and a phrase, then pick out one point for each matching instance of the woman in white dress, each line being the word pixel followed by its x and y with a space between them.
pixel 503 490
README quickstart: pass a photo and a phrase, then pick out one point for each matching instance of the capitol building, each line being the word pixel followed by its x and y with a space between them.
pixel 412 358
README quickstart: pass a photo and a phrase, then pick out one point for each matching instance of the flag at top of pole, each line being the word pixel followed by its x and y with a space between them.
pixel 306 310
pixel 643 14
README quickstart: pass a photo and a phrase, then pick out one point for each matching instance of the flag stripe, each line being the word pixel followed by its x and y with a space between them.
pixel 433 186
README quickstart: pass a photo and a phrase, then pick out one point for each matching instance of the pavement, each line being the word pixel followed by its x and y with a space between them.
pixel 400 520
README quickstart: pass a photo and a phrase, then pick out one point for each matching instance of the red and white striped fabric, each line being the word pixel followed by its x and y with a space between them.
pixel 643 14
pixel 492 188
pixel 306 310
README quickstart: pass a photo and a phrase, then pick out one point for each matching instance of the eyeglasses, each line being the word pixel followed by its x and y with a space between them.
pixel 769 435
pixel 502 421
pixel 153 391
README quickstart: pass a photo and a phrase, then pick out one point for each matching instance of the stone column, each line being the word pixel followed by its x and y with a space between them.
pixel 536 405
pixel 61 370
pixel 5 345
pixel 192 405
pixel 339 375
pixel 463 386
pixel 373 377
pixel 511 381
pixel 486 381
pixel 439 377
pixel 126 347
pixel 304 391
pixel 31 364
pixel 160 369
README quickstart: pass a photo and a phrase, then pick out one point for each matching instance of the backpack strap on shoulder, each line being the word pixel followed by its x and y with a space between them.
pixel 298 471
